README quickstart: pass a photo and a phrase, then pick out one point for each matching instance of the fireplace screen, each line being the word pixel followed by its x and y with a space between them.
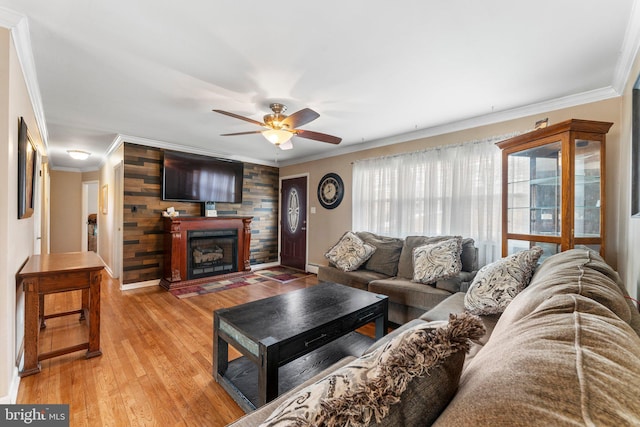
pixel 211 252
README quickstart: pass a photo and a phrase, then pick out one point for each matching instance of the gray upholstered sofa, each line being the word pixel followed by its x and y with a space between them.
pixel 389 271
pixel 566 351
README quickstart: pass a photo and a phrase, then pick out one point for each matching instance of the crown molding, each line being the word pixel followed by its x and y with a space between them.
pixel 629 50
pixel 473 122
pixel 18 24
pixel 121 139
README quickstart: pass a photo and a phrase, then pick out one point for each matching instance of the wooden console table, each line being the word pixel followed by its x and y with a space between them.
pixel 53 273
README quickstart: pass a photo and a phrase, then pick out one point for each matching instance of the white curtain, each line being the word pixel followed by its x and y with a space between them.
pixel 449 190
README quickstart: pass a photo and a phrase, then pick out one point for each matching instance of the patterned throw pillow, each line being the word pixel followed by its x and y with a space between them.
pixel 435 261
pixel 498 283
pixel 426 359
pixel 350 252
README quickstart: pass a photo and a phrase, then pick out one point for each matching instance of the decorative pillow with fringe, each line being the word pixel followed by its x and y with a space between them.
pixel 408 381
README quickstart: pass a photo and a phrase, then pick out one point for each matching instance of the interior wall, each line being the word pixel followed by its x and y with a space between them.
pixel 66 211
pixel 107 226
pixel 326 226
pixel 629 227
pixel 17 236
pixel 143 227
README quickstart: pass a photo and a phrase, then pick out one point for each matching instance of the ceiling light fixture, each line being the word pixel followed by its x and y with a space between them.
pixel 277 136
pixel 78 154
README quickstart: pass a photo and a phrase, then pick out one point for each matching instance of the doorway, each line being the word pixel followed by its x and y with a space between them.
pixel 293 223
pixel 89 216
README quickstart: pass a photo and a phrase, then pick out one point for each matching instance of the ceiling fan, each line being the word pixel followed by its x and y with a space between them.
pixel 280 128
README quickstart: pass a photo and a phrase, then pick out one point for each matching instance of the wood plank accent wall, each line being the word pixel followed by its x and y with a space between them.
pixel 143 206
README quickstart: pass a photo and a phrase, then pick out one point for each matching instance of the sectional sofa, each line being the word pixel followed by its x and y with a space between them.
pixel 389 271
pixel 565 351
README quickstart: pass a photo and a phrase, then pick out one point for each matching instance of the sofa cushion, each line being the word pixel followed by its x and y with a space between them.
pixel 459 283
pixel 350 252
pixel 406 292
pixel 496 284
pixel 455 304
pixel 468 256
pixel 385 259
pixel 562 353
pixel 558 274
pixel 356 279
pixel 425 361
pixel 437 260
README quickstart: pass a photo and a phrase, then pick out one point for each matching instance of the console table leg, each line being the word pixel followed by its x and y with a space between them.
pixel 94 314
pixel 41 311
pixel 32 310
pixel 85 305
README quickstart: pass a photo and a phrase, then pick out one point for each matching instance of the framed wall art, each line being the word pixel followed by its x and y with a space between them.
pixel 27 157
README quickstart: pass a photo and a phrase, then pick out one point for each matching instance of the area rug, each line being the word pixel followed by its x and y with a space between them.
pixel 282 274
pixel 218 285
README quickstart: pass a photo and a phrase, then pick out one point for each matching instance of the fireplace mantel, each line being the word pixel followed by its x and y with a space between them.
pixel 175 245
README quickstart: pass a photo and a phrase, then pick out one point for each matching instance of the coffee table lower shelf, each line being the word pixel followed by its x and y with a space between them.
pixel 241 378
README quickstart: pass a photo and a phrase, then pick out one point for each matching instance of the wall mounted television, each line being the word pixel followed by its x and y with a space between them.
pixel 190 177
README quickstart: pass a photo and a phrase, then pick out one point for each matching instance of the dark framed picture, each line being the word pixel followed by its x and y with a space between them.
pixel 26 171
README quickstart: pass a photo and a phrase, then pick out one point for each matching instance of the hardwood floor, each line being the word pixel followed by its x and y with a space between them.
pixel 156 363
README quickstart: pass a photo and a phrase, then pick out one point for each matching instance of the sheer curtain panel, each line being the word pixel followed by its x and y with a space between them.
pixel 449 190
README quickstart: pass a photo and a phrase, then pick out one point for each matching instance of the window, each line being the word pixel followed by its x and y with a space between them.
pixel 450 190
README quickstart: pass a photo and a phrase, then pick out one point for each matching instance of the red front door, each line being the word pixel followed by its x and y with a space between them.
pixel 293 223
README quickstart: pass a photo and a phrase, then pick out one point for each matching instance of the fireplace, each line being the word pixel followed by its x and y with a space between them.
pixel 196 248
pixel 211 252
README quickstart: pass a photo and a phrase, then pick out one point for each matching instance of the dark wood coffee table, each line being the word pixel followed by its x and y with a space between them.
pixel 288 338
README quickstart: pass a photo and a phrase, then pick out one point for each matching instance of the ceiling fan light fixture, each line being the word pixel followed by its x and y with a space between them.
pixel 78 154
pixel 277 136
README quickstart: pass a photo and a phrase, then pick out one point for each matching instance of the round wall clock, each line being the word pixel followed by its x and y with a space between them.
pixel 330 190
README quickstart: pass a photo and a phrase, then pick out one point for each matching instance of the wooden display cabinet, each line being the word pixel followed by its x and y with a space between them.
pixel 553 188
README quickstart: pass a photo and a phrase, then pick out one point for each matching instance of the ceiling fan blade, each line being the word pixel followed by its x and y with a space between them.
pixel 317 136
pixel 286 145
pixel 241 133
pixel 300 118
pixel 237 116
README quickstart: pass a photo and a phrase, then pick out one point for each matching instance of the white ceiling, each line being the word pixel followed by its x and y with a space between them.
pixel 376 71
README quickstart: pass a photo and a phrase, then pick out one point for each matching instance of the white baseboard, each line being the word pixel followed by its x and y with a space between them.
pixel 108 270
pixel 256 267
pixel 12 397
pixel 138 285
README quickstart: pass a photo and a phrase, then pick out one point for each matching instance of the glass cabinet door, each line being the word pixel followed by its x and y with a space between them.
pixel 534 188
pixel 587 197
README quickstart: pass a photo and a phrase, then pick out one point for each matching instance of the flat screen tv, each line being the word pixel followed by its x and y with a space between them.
pixel 194 178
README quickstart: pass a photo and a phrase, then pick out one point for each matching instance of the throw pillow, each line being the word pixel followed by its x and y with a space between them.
pixel 405 262
pixel 426 359
pixel 437 260
pixel 350 252
pixel 385 259
pixel 496 284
